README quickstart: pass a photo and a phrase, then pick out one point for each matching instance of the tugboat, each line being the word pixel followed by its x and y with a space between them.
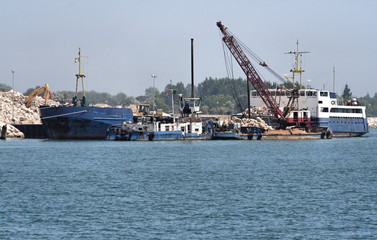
pixel 156 127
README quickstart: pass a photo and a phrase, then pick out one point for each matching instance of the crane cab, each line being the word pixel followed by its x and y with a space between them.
pixel 189 106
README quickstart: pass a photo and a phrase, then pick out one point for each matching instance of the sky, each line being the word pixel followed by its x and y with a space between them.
pixel 125 41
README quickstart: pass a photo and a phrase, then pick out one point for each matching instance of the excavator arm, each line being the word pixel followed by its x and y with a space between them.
pixel 36 92
pixel 251 74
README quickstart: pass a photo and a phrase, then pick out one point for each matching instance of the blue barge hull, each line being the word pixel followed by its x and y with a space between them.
pixel 82 122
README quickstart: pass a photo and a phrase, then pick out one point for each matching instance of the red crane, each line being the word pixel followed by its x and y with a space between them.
pixel 251 74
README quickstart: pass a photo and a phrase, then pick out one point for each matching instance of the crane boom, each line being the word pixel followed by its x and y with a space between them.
pixel 251 74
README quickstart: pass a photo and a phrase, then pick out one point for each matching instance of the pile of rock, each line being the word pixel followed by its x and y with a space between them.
pixel 14 111
pixel 101 105
pixel 250 122
pixel 11 131
pixel 257 111
pixel 372 122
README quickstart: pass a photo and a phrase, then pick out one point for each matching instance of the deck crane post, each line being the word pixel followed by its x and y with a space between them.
pixel 81 76
pixel 251 74
pixel 298 63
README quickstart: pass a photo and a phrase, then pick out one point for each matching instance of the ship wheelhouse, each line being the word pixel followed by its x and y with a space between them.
pixel 309 99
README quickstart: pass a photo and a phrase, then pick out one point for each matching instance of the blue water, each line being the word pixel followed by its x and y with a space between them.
pixel 307 189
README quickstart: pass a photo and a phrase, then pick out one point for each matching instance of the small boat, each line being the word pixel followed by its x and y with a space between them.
pixel 234 132
pixel 159 128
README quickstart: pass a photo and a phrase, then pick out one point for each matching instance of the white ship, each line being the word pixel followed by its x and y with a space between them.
pixel 323 110
pixel 319 107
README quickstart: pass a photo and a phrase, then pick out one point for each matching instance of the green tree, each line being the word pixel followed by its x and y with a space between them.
pixel 142 99
pixel 181 89
pixel 347 94
pixel 219 104
pixel 151 92
pixel 30 90
pixel 370 103
pixel 235 89
pixel 123 100
pixel 4 87
pixel 160 104
pixel 63 96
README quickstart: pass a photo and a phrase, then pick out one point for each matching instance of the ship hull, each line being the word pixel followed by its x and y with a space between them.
pixel 82 122
pixel 345 126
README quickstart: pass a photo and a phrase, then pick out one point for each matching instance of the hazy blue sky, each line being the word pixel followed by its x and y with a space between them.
pixel 127 41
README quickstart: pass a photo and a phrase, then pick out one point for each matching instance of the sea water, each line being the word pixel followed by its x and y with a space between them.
pixel 304 189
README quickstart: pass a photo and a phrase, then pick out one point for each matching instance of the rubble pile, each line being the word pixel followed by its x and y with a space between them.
pixel 257 111
pixel 372 122
pixel 101 105
pixel 249 122
pixel 14 111
pixel 11 131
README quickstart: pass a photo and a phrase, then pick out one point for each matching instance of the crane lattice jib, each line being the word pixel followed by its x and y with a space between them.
pixel 250 72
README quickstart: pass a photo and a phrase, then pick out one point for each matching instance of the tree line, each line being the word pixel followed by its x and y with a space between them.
pixel 219 96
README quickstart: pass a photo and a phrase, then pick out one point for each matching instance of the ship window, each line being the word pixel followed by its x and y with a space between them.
pixel 167 128
pixel 324 94
pixel 320 102
pixel 196 129
pixel 325 109
pixel 280 93
pixel 332 95
pixel 183 129
pixel 311 93
pixel 346 110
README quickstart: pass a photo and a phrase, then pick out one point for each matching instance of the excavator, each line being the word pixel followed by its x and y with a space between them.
pixel 36 92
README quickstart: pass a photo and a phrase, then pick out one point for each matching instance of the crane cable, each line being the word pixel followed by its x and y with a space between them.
pixel 229 68
pixel 257 59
